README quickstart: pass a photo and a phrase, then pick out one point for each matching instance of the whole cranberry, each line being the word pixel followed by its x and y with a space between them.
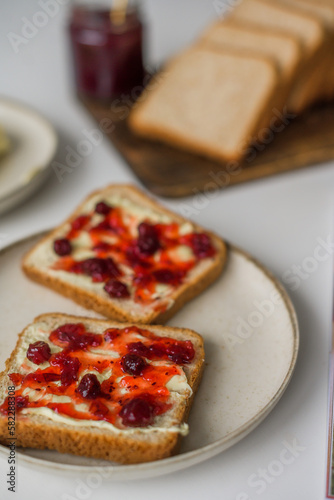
pixel 137 413
pixel 116 289
pixel 148 240
pixel 201 245
pixel 89 386
pixel 133 364
pixel 102 208
pixel 39 352
pixel 62 247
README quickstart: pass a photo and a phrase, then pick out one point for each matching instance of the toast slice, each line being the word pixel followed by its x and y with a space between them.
pixel 208 101
pixel 309 29
pixel 284 48
pixel 126 257
pixel 321 83
pixel 100 389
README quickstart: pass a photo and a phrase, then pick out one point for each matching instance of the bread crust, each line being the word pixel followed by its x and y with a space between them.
pixel 112 308
pixel 36 431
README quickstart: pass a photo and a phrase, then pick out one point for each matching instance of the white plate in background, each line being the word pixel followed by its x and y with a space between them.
pixel 251 342
pixel 33 145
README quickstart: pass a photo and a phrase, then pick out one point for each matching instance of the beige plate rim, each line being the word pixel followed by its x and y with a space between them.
pixel 187 459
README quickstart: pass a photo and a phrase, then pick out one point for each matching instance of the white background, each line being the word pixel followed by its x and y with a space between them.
pixel 278 220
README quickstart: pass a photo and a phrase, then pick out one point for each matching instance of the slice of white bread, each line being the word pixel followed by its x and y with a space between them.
pixel 308 28
pixel 58 428
pixel 209 101
pixel 131 207
pixel 322 83
pixel 284 48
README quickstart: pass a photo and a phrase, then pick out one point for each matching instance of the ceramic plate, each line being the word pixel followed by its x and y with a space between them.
pixel 251 342
pixel 33 145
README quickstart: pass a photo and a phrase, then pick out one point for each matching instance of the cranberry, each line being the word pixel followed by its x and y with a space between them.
pixel 89 386
pixel 181 354
pixel 62 247
pixel 133 364
pixel 80 222
pixel 166 276
pixel 21 402
pixel 137 413
pixel 39 352
pixel 69 365
pixel 138 348
pixel 148 241
pixel 75 335
pixel 102 208
pixel 201 245
pixel 100 269
pixel 117 289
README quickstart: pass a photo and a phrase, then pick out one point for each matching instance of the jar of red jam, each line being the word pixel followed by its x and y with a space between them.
pixel 107 46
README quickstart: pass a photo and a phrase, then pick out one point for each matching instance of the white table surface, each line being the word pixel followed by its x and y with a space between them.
pixel 279 220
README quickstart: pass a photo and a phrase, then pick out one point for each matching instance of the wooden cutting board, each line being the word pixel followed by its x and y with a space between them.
pixel 292 143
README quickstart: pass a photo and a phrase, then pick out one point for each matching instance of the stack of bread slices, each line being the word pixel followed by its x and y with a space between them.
pixel 265 59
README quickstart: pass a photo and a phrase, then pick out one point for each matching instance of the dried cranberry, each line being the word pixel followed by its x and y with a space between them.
pixel 80 222
pixel 201 245
pixel 133 364
pixel 117 289
pixel 166 276
pixel 137 413
pixel 21 402
pixel 89 386
pixel 62 247
pixel 39 352
pixel 100 269
pixel 148 240
pixel 138 348
pixel 69 365
pixel 75 335
pixel 102 208
pixel 181 354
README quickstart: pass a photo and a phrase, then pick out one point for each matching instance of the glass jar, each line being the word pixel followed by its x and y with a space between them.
pixel 107 46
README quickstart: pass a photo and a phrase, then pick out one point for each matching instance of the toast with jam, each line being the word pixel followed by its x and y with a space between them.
pixel 101 389
pixel 127 257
